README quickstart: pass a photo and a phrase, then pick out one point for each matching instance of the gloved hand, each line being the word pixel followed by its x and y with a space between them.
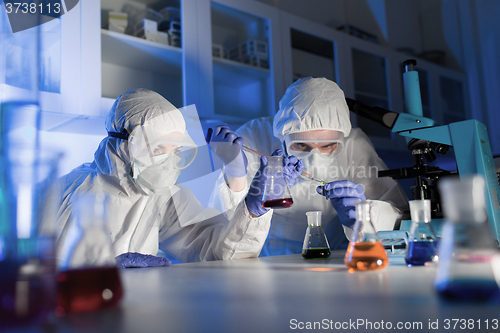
pixel 343 194
pixel 292 167
pixel 134 259
pixel 227 145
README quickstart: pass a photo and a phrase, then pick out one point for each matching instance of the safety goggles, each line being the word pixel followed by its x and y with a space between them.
pixel 325 143
pixel 150 146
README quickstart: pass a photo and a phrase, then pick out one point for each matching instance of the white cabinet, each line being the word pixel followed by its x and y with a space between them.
pixel 129 62
pixel 246 62
pixel 97 65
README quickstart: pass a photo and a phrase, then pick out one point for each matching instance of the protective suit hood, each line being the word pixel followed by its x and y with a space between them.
pixel 312 104
pixel 132 109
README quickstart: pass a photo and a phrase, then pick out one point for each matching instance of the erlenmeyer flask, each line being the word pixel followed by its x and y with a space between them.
pixel 469 260
pixel 315 242
pixel 422 246
pixel 276 192
pixel 88 278
pixel 365 252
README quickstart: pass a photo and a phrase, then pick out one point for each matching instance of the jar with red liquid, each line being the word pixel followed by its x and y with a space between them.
pixel 276 192
pixel 88 278
pixel 365 252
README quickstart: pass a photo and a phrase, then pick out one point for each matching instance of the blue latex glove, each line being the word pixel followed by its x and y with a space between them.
pixel 343 195
pixel 227 146
pixel 292 167
pixel 137 260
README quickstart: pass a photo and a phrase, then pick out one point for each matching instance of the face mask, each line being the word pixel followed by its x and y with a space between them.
pixel 159 177
pixel 320 165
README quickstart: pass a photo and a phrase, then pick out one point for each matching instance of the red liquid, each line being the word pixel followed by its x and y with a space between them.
pixel 278 203
pixel 365 256
pixel 85 290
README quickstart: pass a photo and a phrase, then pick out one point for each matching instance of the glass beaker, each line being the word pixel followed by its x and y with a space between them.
pixel 365 252
pixel 315 242
pixel 27 222
pixel 88 278
pixel 423 242
pixel 276 192
pixel 468 255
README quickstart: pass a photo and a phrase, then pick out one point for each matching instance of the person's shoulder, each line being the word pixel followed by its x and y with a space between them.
pixel 78 173
pixel 257 123
pixel 357 139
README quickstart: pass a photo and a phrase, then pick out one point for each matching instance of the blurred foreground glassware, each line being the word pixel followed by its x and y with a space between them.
pixel 27 229
pixel 365 252
pixel 276 193
pixel 87 278
pixel 422 246
pixel 469 262
pixel 315 242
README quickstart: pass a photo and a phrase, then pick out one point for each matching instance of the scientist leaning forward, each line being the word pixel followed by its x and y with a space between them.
pixel 137 167
pixel 313 124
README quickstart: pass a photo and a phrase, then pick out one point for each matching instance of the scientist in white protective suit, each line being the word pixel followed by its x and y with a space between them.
pixel 313 124
pixel 136 167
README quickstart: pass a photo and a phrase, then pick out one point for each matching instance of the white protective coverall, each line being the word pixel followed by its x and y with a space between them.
pixel 176 223
pixel 315 104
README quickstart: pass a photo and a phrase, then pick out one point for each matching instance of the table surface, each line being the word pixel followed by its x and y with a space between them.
pixel 278 294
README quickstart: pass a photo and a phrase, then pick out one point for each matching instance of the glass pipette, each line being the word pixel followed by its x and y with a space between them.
pixel 304 174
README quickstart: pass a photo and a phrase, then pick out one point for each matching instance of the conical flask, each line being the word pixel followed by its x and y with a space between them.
pixel 276 192
pixel 365 251
pixel 88 278
pixel 422 246
pixel 469 260
pixel 315 242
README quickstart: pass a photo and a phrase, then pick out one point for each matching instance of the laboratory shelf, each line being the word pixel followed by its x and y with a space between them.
pixel 141 54
pixel 239 74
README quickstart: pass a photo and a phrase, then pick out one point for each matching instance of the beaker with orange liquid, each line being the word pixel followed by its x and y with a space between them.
pixel 365 252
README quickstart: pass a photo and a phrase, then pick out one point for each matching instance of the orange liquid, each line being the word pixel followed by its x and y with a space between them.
pixel 365 256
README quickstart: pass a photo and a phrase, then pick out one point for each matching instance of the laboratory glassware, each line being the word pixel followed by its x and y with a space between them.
pixel 87 278
pixel 276 192
pixel 365 252
pixel 469 262
pixel 423 242
pixel 315 242
pixel 303 173
pixel 27 229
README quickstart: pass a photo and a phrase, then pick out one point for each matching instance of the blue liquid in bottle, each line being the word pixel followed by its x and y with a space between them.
pixel 481 291
pixel 420 252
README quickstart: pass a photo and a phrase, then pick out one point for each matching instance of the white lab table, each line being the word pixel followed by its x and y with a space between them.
pixel 277 294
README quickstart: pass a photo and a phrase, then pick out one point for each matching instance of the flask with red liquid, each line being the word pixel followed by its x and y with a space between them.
pixel 88 278
pixel 276 193
pixel 365 252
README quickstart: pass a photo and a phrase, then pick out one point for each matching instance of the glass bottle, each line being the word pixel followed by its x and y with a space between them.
pixel 468 255
pixel 422 245
pixel 365 251
pixel 315 242
pixel 88 278
pixel 276 192
pixel 27 258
